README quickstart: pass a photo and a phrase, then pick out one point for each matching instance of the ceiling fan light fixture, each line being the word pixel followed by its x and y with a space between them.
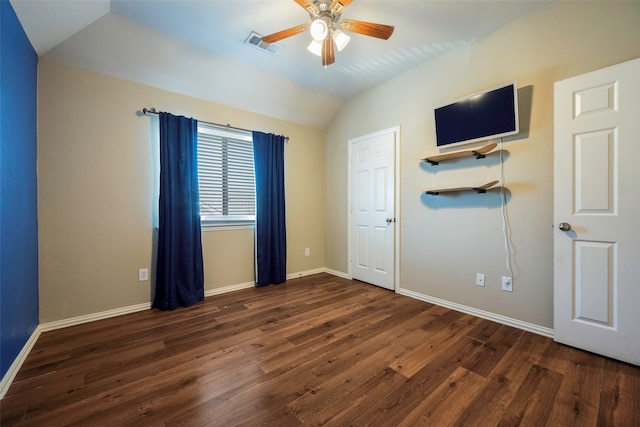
pixel 315 47
pixel 319 29
pixel 340 38
pixel 328 30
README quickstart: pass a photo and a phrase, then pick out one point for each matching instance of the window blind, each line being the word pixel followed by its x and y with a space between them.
pixel 225 176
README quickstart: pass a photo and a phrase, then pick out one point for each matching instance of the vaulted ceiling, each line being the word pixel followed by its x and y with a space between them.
pixel 196 47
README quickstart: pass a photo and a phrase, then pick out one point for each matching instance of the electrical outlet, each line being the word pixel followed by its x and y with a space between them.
pixel 143 275
pixel 307 251
pixel 507 284
pixel 480 279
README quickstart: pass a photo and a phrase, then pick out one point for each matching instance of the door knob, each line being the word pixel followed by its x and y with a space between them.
pixel 389 220
pixel 564 226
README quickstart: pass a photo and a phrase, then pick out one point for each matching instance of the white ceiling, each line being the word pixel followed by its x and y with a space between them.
pixel 196 47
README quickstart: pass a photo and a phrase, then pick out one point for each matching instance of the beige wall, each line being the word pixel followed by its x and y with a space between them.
pixel 97 192
pixel 446 240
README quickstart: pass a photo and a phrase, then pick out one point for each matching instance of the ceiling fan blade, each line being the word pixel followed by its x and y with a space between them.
pixel 328 55
pixel 368 28
pixel 275 37
pixel 338 5
pixel 307 5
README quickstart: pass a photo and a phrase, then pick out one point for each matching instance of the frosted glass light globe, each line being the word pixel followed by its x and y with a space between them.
pixel 319 30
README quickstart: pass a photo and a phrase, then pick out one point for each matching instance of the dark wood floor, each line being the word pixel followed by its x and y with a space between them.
pixel 315 351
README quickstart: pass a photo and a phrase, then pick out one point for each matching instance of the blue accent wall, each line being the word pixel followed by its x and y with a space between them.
pixel 18 188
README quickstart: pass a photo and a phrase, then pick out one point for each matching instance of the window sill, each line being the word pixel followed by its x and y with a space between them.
pixel 224 227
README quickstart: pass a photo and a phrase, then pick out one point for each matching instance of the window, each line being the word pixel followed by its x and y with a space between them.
pixel 225 176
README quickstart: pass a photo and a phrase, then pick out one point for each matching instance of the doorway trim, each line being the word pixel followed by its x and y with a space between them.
pixel 395 130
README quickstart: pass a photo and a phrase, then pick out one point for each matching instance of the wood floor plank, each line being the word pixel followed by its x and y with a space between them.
pixel 620 396
pixel 445 402
pixel 288 356
pixel 243 396
pixel 327 322
pixel 264 391
pixel 345 371
pixel 484 330
pixel 135 370
pixel 277 417
pixel 488 406
pixel 361 399
pixel 578 399
pixel 438 334
pixel 405 336
pixel 494 348
pixel 532 403
pixel 393 408
pixel 317 350
pixel 92 404
pixel 260 397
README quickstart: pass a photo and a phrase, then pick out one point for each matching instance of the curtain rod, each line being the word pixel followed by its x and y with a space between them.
pixel 152 110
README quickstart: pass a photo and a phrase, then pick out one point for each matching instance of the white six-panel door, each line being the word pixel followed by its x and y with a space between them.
pixel 373 222
pixel 597 199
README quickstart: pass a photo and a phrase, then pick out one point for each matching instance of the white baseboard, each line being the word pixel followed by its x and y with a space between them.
pixel 530 327
pixel 246 285
pixel 337 273
pixel 305 273
pixel 230 288
pixel 59 324
pixel 9 376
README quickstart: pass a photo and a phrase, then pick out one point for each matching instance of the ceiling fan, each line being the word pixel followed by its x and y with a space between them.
pixel 326 28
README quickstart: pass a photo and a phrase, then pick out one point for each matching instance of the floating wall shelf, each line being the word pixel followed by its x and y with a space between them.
pixel 479 189
pixel 478 153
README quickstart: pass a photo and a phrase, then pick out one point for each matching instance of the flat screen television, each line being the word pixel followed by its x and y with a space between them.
pixel 492 113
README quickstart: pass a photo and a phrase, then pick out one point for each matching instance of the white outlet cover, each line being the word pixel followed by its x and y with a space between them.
pixel 480 279
pixel 507 284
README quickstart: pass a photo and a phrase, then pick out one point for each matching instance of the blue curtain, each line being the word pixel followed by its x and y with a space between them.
pixel 180 275
pixel 271 236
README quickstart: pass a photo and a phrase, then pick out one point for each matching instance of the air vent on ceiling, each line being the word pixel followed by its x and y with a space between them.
pixel 255 40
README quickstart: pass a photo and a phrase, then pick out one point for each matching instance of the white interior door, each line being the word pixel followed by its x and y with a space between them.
pixel 373 222
pixel 597 181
